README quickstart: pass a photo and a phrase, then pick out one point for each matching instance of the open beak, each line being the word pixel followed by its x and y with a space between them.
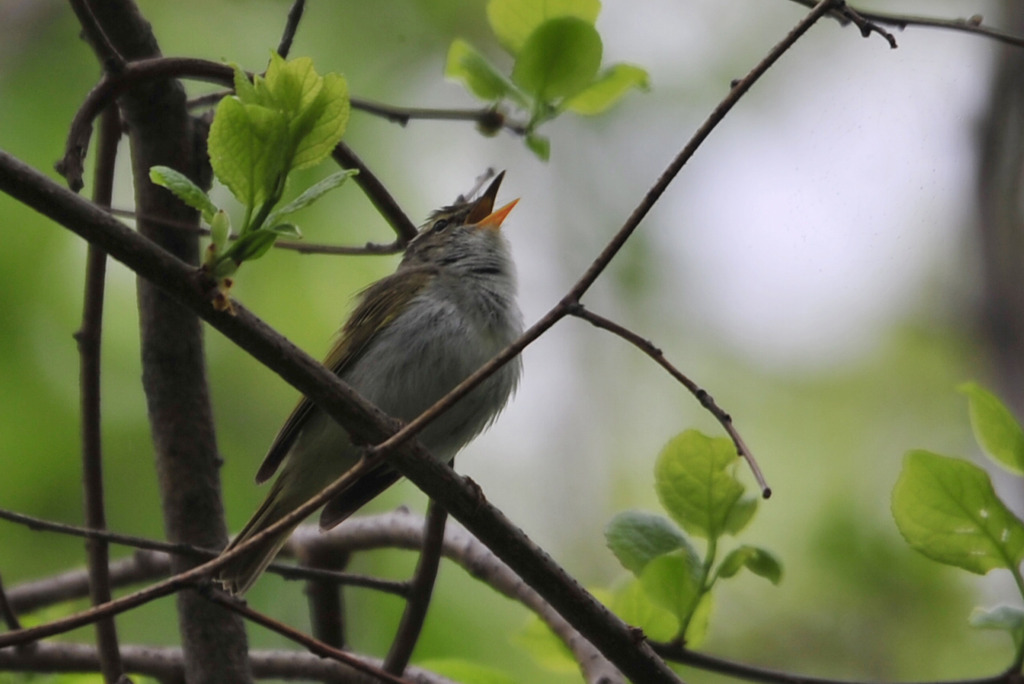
pixel 493 220
pixel 485 203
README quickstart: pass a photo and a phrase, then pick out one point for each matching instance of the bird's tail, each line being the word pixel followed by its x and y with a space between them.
pixel 240 572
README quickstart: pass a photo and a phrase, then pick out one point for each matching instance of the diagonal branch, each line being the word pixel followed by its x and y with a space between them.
pixel 290 27
pixel 705 399
pixel 315 646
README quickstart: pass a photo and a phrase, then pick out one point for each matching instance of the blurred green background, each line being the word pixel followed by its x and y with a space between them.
pixel 812 268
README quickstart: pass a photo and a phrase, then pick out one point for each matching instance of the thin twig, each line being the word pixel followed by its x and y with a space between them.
pixel 112 86
pixel 705 399
pixel 750 673
pixel 89 339
pixel 866 26
pixel 376 192
pixel 972 25
pixel 487 118
pixel 421 588
pixel 290 27
pixel 7 613
pixel 370 248
pixel 288 572
pixel 315 646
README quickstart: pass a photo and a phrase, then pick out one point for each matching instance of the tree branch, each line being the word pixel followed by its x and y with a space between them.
pixel 315 646
pixel 89 337
pixel 168 664
pixel 421 588
pixel 972 25
pixel 705 399
pixel 290 27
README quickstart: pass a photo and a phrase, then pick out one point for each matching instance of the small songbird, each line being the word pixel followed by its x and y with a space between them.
pixel 413 336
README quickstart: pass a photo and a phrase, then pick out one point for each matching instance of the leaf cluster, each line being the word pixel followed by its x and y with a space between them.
pixel 557 63
pixel 290 118
pixel 947 509
pixel 670 594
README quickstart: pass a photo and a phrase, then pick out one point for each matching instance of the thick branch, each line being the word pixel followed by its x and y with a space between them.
pixel 173 362
pixel 169 663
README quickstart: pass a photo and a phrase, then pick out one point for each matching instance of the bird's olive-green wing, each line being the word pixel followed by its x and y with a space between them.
pixel 378 306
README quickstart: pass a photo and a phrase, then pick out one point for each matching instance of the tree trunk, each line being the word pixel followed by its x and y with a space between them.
pixel 173 362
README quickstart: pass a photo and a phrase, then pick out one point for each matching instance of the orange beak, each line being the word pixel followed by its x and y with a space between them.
pixel 493 220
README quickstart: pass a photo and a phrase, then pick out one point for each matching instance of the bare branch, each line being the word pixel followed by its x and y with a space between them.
pixel 7 612
pixel 422 587
pixel 401 529
pixel 74 584
pixel 679 654
pixel 88 338
pixel 971 25
pixel 705 399
pixel 376 192
pixel 315 646
pixel 290 27
pixel 168 664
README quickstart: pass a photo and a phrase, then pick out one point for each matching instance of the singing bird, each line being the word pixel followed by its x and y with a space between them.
pixel 413 336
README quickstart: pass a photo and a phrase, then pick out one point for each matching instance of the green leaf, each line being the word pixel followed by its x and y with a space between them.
pixel 251 246
pixel 635 607
pixel 759 561
pixel 740 515
pixel 609 87
pixel 482 78
pixel 1006 618
pixel 244 88
pixel 946 509
pixel 539 145
pixel 693 480
pixel 289 119
pixel 247 145
pixel 184 189
pixel 673 582
pixel 323 124
pixel 559 59
pixel 514 20
pixel 286 230
pixel 995 428
pixel 312 194
pixel 635 538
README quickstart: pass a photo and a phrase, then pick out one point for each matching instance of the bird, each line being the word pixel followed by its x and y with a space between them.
pixel 448 308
